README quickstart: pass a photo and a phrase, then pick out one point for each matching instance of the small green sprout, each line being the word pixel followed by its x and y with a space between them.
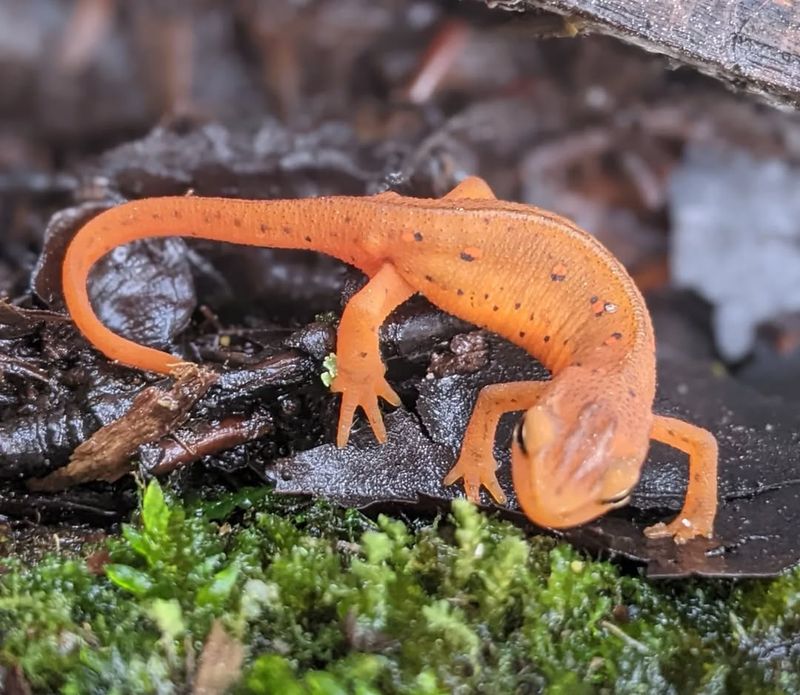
pixel 329 365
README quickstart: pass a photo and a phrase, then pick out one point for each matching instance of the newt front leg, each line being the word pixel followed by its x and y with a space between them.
pixel 359 368
pixel 476 462
pixel 696 518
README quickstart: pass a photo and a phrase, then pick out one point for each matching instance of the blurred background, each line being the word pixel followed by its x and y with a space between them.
pixel 693 186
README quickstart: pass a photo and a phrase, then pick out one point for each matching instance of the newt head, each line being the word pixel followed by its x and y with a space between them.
pixel 572 464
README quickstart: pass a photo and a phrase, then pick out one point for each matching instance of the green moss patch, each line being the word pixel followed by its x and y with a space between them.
pixel 328 601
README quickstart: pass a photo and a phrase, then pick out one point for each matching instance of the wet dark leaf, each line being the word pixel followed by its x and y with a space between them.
pixel 143 290
pixel 759 456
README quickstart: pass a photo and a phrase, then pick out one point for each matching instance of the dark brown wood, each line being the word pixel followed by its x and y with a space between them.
pixel 752 44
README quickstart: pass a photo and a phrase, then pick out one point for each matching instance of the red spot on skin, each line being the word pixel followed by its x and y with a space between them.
pixel 605 308
pixel 558 272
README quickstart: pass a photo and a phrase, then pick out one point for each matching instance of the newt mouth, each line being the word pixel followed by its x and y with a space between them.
pixel 618 500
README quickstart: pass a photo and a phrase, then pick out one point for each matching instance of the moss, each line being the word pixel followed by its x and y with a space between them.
pixel 328 601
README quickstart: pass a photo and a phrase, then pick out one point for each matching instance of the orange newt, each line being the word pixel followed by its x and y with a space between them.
pixel 527 274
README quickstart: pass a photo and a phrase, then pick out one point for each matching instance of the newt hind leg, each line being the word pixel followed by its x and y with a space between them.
pixel 359 368
pixel 471 187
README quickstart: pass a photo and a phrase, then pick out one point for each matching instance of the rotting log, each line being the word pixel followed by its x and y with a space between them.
pixel 753 45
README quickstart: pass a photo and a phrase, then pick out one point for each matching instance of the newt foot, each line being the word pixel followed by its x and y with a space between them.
pixel 181 368
pixel 362 393
pixel 477 471
pixel 681 530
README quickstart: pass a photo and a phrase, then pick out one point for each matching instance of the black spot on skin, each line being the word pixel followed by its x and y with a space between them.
pixel 464 256
pixel 530 318
pixel 594 299
pixel 579 364
pixel 616 336
pixel 486 296
pixel 566 340
pixel 522 334
pixel 517 306
pixel 264 228
pixel 347 219
pixel 362 354
pixel 287 230
pixel 307 238
pixel 418 236
pixel 459 292
pixel 556 277
pixel 429 278
pixel 547 339
pixel 495 308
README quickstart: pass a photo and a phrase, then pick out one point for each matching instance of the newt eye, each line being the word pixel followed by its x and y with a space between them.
pixel 519 435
